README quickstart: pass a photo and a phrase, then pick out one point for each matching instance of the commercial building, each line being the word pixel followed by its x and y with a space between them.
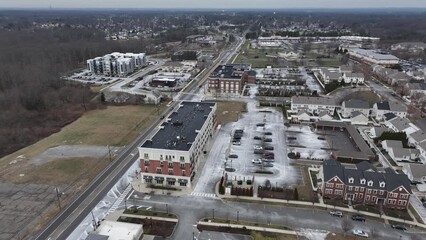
pixel 110 230
pixel 372 57
pixel 171 156
pixel 228 80
pixel 116 64
pixel 364 185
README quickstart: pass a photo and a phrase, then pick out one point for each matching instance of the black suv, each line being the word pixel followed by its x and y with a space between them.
pixel 399 227
pixel 358 217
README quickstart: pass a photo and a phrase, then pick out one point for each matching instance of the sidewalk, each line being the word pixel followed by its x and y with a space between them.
pixel 248 227
pixel 320 205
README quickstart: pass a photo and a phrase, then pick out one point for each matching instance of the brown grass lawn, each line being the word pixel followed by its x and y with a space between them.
pixel 230 111
pixel 115 125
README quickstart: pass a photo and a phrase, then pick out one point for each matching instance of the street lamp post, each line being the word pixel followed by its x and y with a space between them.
pixel 238 216
pixel 213 213
pixel 167 209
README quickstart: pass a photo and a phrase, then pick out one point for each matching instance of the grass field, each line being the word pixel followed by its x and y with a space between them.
pixel 115 125
pixel 230 111
pixel 256 57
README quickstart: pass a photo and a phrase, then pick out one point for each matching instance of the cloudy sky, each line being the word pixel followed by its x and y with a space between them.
pixel 217 4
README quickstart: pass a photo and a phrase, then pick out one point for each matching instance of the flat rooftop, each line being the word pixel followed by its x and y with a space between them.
pixel 179 130
pixel 229 71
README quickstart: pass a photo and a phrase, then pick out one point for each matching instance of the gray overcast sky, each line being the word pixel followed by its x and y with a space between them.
pixel 221 4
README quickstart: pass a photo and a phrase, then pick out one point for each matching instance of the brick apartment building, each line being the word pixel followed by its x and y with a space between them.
pixel 229 79
pixel 365 185
pixel 171 156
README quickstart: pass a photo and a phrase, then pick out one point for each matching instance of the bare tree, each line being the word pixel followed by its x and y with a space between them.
pixel 346 225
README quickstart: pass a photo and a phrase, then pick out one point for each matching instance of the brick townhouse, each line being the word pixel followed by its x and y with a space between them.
pixel 365 185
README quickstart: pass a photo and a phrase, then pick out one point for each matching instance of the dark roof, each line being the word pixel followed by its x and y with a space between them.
pixel 180 129
pixel 364 166
pixel 332 168
pixel 95 236
pixel 389 116
pixel 356 103
pixel 421 123
pixel 383 105
pixel 232 71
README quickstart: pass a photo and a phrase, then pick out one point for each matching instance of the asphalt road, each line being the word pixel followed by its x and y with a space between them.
pixel 191 209
pixel 64 223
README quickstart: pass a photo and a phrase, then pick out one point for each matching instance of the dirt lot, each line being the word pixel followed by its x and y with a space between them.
pixel 339 236
pixel 230 111
pixel 116 126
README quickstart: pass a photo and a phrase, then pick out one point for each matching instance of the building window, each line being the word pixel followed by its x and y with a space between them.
pixel 182 165
pixel 362 181
pixel 182 184
pixel 183 173
pixel 170 164
pixel 350 188
pixel 158 170
pixel 146 162
pixel 367 198
pixel 329 185
pixel 369 191
pixel 370 183
pixel 182 158
pixel 161 156
pixel 351 180
pixel 146 169
pixel 146 156
pixel 381 192
pixel 356 188
pixel 170 171
pixel 149 180
pixel 362 189
pixel 159 181
pixel 339 185
pixel 374 191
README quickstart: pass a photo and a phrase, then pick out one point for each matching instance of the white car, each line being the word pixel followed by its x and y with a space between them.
pixel 359 233
pixel 256 161
pixel 257 147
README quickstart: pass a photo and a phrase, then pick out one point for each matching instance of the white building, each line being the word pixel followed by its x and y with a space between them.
pixel 171 157
pixel 116 64
pixel 359 118
pixel 313 105
pixel 398 124
pixel 355 105
pixel 373 57
pixel 382 108
pixel 398 153
pixel 354 78
pixel 416 138
pixel 117 231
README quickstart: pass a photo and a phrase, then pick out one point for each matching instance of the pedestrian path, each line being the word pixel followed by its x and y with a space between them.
pixel 120 199
pixel 206 195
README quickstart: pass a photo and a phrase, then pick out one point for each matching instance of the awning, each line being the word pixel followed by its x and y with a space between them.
pixel 171 179
pixel 147 177
pixel 159 178
pixel 182 181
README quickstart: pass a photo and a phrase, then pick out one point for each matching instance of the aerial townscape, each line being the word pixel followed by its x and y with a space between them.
pixel 212 120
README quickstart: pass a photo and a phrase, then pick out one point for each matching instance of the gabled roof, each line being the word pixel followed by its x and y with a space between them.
pixel 365 166
pixel 389 116
pixel 402 152
pixel 418 136
pixel 417 170
pixel 400 124
pixel 393 143
pixel 392 180
pixel 383 106
pixel 356 103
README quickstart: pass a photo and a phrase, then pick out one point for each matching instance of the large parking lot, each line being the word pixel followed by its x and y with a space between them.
pixel 308 142
pixel 251 123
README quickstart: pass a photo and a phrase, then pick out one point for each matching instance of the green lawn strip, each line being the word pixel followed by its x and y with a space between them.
pixel 149 213
pixel 246 223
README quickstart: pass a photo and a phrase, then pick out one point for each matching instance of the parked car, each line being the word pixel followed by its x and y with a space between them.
pixel 233 156
pixel 359 233
pixel 291 138
pixel 257 138
pixel 269 153
pixel 268 160
pixel 271 157
pixel 258 151
pixel 236 143
pixel 358 217
pixel 260 125
pixel 256 161
pixel 269 148
pixel 239 131
pixel 268 140
pixel 399 227
pixel 256 147
pixel 336 213
pixel 268 133
pixel 268 164
pixel 321 138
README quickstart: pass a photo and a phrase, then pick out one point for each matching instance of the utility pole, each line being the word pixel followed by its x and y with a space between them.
pixel 109 153
pixel 58 195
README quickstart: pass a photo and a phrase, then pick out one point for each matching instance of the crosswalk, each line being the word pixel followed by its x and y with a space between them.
pixel 120 199
pixel 206 195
